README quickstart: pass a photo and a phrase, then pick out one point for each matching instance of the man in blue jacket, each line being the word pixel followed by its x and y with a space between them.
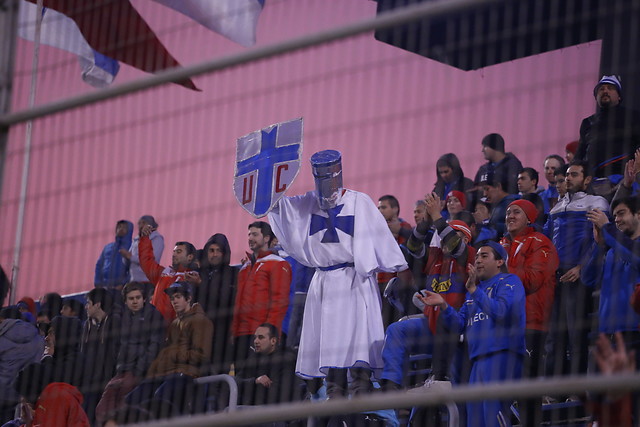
pixel 111 270
pixel 493 320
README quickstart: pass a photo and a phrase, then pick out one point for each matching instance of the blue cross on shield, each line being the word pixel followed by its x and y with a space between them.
pixel 267 162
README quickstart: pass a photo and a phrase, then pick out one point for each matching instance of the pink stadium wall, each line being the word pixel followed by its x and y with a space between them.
pixel 169 152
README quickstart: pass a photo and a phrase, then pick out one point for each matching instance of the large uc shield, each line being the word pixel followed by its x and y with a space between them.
pixel 267 162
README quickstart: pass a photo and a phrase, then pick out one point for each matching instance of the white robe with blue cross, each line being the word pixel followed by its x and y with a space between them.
pixel 342 324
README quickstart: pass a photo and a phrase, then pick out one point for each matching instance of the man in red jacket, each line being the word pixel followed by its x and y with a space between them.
pixel 263 290
pixel 182 269
pixel 534 259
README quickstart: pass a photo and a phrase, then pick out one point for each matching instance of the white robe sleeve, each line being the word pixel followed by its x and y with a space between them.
pixel 374 247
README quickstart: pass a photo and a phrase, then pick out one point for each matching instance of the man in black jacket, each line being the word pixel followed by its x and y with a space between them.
pixel 269 374
pixel 609 138
pixel 216 294
pixel 142 336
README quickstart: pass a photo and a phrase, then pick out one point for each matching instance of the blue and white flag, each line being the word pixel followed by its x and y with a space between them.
pixel 60 31
pixel 267 163
pixel 234 19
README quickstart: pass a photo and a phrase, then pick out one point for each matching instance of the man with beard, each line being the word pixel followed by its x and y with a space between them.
pixel 216 294
pixel 181 269
pixel 615 267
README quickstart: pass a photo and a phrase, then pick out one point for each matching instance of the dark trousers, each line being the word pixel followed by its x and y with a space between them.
pixel 567 344
pixel 531 409
pixel 168 396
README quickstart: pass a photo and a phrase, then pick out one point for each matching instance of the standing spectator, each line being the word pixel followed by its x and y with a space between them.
pixel 340 233
pixel 50 306
pixel 528 181
pixel 499 163
pixel 111 269
pixel 263 290
pixel 609 137
pixel 182 269
pixel 550 195
pixel 100 345
pixel 216 294
pixel 493 320
pixel 494 185
pixel 62 361
pixel 20 345
pixel 615 268
pixel 141 337
pixel 5 285
pixel 132 255
pixel 268 376
pixel 72 307
pixel 169 388
pixel 533 258
pixel 572 235
pixel 450 177
pixel 390 209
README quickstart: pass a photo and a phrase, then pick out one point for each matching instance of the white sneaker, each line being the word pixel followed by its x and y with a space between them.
pixel 432 386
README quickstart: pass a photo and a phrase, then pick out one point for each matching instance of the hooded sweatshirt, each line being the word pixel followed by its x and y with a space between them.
pixel 20 345
pixel 111 270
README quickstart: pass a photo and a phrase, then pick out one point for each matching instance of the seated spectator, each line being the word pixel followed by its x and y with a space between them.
pixel 27 307
pixel 169 388
pixel 141 337
pixel 455 203
pixel 50 306
pixel 20 345
pixel 71 307
pixel 111 268
pixel 62 361
pixel 268 376
pixel 59 404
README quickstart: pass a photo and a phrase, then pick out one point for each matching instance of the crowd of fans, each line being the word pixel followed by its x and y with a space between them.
pixel 132 347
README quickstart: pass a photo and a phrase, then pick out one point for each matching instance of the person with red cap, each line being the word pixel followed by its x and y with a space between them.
pixel 533 258
pixel 455 203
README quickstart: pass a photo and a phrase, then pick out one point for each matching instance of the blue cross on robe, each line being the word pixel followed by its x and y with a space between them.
pixel 319 223
pixel 263 161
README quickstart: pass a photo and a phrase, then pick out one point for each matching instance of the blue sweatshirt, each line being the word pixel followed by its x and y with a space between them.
pixel 492 317
pixel 616 268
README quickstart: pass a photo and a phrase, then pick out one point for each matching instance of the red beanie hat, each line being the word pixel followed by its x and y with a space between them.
pixel 529 209
pixel 458 225
pixel 458 195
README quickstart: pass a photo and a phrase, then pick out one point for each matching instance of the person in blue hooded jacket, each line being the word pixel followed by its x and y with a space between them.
pixel 493 320
pixel 111 270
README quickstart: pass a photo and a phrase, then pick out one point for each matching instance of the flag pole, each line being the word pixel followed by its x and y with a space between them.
pixel 15 269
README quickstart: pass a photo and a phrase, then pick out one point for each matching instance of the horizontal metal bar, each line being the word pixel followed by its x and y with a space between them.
pixel 383 20
pixel 377 401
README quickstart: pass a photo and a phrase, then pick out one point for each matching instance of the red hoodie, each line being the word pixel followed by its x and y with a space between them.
pixel 60 404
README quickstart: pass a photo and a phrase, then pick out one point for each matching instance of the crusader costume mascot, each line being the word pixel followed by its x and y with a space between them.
pixel 342 235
